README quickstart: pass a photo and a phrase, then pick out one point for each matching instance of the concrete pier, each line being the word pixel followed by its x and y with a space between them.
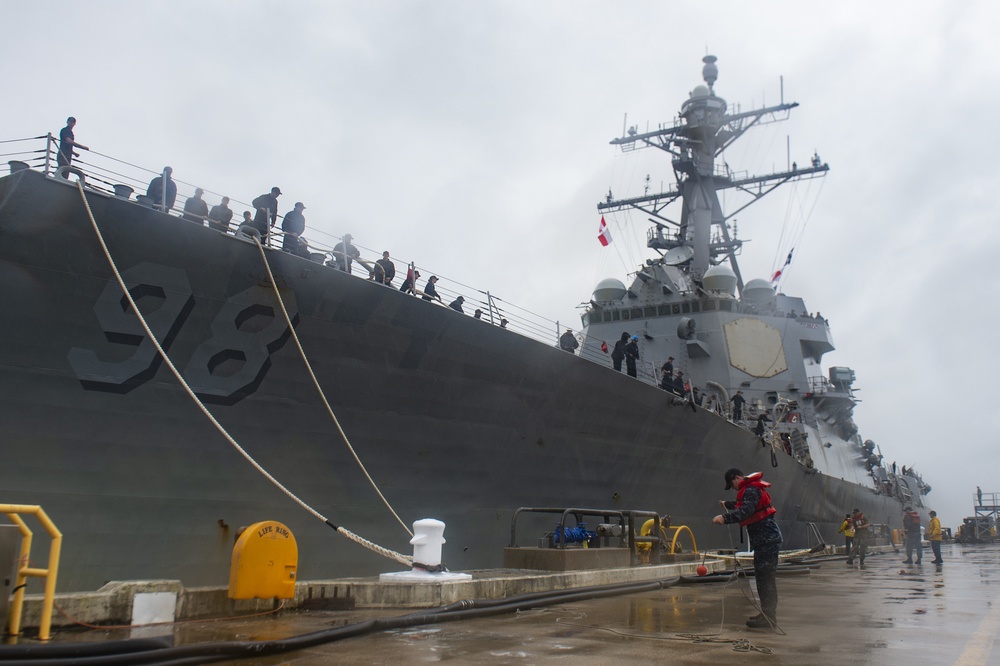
pixel 889 613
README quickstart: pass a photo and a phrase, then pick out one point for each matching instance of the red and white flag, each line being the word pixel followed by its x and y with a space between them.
pixel 781 270
pixel 603 234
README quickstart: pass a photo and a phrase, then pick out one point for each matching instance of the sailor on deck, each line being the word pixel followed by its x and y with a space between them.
pixel 618 353
pixel 156 188
pixel 267 211
pixel 632 355
pixel 568 342
pixel 344 253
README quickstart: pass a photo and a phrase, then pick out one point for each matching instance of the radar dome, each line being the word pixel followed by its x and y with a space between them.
pixel 609 289
pixel 701 91
pixel 720 278
pixel 758 292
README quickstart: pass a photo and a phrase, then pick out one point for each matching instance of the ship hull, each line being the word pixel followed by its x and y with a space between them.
pixel 452 417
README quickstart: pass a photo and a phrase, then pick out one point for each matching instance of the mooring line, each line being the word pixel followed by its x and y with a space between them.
pixel 398 557
pixel 322 395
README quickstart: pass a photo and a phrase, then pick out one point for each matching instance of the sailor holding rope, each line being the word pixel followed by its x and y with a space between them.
pixel 754 510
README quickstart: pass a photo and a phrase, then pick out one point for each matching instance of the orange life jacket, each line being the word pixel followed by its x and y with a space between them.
pixel 763 508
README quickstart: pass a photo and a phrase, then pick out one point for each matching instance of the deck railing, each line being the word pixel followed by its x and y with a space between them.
pixel 116 177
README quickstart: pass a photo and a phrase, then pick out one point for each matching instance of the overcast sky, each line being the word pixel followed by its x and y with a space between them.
pixel 472 138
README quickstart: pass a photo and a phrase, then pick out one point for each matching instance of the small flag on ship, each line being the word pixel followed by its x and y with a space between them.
pixel 603 234
pixel 777 274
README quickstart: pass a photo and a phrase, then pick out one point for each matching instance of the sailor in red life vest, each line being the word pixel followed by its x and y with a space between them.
pixel 753 509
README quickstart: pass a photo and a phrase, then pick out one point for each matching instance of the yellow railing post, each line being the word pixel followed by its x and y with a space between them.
pixel 677 531
pixel 13 512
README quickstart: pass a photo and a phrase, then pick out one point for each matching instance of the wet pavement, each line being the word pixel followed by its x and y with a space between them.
pixel 889 613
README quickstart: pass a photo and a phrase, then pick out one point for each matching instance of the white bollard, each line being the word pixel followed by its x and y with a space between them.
pixel 428 538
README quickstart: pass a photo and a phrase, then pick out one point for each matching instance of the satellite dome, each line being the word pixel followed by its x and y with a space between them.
pixel 701 91
pixel 720 278
pixel 758 292
pixel 609 289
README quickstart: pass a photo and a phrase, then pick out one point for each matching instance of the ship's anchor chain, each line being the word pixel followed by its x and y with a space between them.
pixel 385 552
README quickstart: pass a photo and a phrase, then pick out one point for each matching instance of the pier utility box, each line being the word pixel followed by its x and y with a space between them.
pixel 565 559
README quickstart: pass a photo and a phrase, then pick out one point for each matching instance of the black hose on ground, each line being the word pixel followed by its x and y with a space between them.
pixel 63 655
pixel 80 650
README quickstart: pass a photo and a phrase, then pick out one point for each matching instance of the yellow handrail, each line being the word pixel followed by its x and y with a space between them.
pixel 677 532
pixel 13 512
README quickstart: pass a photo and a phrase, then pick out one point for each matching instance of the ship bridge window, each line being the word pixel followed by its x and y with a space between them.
pixel 585 319
pixel 663 310
pixel 616 315
pixel 649 312
pixel 710 305
pixel 607 315
pixel 685 308
pixel 726 305
pixel 696 307
pixel 636 313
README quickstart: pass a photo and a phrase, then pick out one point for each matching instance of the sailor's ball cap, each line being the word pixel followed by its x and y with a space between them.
pixel 731 474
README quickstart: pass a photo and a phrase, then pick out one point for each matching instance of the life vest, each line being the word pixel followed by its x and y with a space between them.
pixel 763 508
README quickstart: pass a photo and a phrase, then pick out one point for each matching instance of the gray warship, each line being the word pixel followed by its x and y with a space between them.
pixel 453 417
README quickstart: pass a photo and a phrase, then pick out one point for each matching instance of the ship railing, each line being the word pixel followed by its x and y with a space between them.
pixel 815 539
pixel 821 385
pixel 27 153
pixel 986 501
pixel 111 176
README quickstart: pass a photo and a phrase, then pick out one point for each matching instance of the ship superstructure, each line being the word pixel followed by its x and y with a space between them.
pixel 691 303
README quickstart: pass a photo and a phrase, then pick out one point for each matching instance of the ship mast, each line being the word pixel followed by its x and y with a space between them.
pixel 702 132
